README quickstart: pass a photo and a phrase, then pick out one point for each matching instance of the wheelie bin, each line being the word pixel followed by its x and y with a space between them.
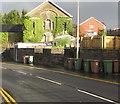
pixel 116 64
pixel 86 65
pixel 31 59
pixel 108 66
pixel 95 66
pixel 70 63
pixel 25 59
pixel 77 63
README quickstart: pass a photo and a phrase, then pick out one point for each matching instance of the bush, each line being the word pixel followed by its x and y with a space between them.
pixel 63 41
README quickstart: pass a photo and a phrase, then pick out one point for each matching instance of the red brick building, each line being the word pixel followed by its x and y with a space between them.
pixel 91 25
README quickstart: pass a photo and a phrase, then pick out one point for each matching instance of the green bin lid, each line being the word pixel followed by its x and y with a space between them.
pixel 107 60
pixel 86 59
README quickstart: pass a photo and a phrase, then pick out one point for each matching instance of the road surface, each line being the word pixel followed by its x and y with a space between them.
pixel 27 84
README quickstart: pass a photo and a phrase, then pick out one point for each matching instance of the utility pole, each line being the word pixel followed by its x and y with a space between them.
pixel 77 53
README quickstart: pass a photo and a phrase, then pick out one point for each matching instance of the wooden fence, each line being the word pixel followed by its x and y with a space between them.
pixel 100 42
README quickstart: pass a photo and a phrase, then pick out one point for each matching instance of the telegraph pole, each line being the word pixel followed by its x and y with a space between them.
pixel 77 53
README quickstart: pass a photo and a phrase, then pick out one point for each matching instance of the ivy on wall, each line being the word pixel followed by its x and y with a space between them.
pixel 34 29
pixel 58 25
pixel 33 32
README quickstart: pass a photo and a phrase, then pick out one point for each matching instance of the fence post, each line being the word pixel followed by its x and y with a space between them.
pixel 117 43
pixel 81 42
pixel 105 41
pixel 102 40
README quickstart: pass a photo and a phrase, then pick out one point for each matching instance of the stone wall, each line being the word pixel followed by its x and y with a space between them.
pixel 101 54
pixel 49 57
pixel 58 57
pixel 21 52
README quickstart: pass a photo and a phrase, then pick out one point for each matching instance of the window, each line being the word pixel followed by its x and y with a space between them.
pixel 52 26
pixel 44 25
pixel 33 24
pixel 64 26
pixel 48 24
pixel 91 26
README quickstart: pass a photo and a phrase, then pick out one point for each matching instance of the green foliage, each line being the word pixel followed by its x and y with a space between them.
pixel 63 41
pixel 102 32
pixel 12 17
pixel 3 39
pixel 56 47
pixel 24 12
pixel 0 18
pixel 23 17
pixel 58 25
pixel 33 34
pixel 4 17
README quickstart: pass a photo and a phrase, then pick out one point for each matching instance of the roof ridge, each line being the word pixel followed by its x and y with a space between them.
pixel 93 18
pixel 50 1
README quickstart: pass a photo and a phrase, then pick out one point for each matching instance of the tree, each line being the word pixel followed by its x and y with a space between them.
pixel 0 18
pixel 4 17
pixel 12 17
pixel 23 17
pixel 102 32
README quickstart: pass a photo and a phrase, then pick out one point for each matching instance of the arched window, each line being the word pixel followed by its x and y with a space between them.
pixel 52 26
pixel 48 24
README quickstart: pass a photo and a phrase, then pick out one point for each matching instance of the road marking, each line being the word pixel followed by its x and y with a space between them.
pixel 30 74
pixel 97 96
pixel 21 72
pixel 49 80
pixel 8 96
pixel 3 68
pixel 100 80
pixel 6 99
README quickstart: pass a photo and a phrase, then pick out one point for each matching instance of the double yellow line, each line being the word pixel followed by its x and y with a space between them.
pixel 7 97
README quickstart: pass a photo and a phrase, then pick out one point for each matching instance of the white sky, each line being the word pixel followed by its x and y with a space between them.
pixel 60 0
pixel 104 10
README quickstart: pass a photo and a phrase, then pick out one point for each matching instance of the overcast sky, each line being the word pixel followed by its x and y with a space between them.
pixel 106 12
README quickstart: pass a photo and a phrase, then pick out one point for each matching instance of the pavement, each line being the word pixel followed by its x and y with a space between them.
pixel 28 83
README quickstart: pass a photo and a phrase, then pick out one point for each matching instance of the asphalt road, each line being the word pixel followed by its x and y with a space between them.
pixel 32 84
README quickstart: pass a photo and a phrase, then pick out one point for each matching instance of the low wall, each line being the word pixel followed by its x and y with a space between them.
pixel 59 56
pixel 49 57
pixel 101 54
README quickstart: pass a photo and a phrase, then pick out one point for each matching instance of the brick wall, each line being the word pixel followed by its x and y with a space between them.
pixel 91 25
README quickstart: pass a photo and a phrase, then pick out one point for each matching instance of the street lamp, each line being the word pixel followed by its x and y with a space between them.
pixel 77 53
